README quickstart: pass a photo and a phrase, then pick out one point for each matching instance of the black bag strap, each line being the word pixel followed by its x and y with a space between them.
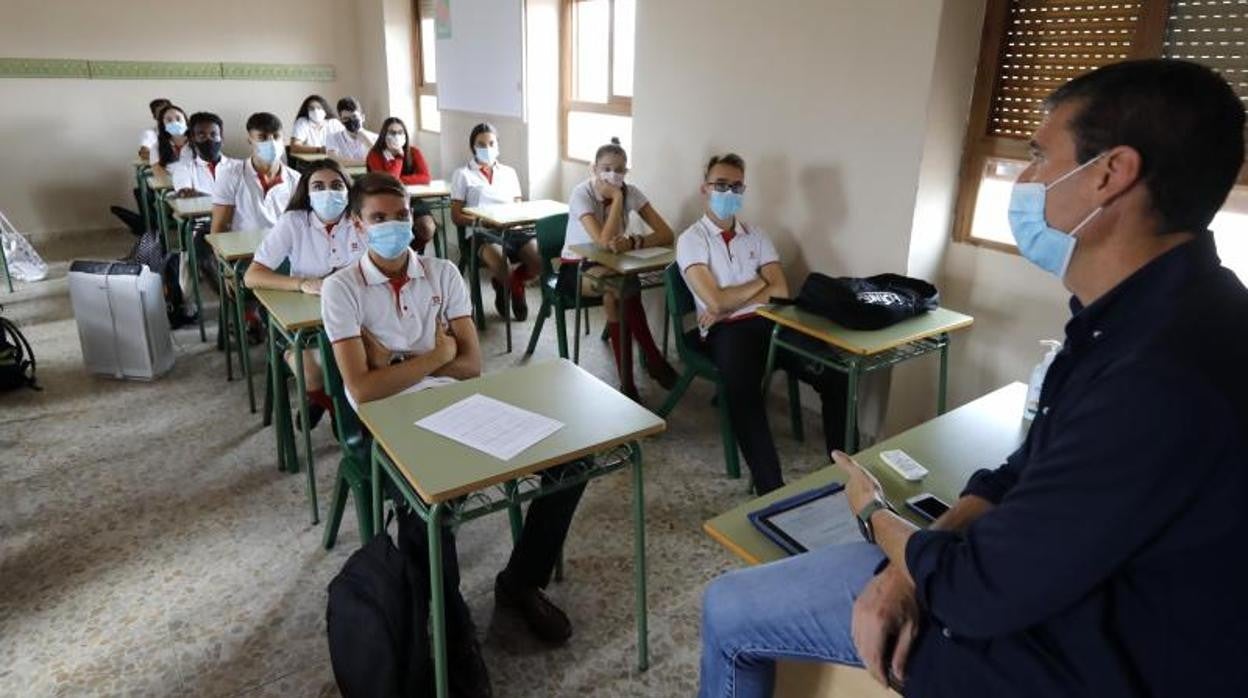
pixel 26 355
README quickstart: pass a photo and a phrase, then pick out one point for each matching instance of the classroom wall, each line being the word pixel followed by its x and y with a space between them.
pixel 68 142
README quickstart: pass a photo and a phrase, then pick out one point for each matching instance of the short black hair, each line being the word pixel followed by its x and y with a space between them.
pixel 483 127
pixel 201 117
pixel 730 159
pixel 372 184
pixel 348 104
pixel 1184 120
pixel 264 122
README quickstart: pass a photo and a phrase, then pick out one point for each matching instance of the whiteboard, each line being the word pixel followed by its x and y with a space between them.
pixel 481 64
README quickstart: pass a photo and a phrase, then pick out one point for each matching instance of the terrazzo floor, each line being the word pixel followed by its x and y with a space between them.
pixel 150 547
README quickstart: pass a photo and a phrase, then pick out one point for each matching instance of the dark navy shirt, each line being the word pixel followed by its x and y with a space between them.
pixel 1115 562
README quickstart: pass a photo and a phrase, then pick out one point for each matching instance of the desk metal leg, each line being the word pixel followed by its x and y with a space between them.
pixel 639 560
pixel 305 423
pixel 4 260
pixel 771 360
pixel 144 211
pixel 474 281
pixel 162 220
pixel 225 319
pixel 626 338
pixel 851 405
pixel 514 516
pixel 374 481
pixel 281 402
pixel 240 313
pixel 507 301
pixel 941 392
pixel 187 238
pixel 437 605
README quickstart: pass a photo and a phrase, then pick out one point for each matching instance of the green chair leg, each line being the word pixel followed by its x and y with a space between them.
pixel 538 324
pixel 363 510
pixel 678 391
pixel 337 505
pixel 561 330
pixel 731 463
pixel 795 409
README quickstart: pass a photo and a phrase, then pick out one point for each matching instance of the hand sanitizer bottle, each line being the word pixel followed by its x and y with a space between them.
pixel 1037 377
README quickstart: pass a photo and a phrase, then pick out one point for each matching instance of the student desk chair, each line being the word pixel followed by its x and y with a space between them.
pixel 550 238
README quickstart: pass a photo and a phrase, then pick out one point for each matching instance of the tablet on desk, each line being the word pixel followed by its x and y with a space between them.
pixel 809 521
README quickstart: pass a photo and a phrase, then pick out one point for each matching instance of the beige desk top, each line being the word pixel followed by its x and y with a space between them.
pixel 517 213
pixel 867 342
pixel 236 245
pixel 159 182
pixel 436 189
pixel 292 310
pixel 624 263
pixel 193 207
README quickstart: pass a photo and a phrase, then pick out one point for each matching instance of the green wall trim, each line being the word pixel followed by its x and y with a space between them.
pixel 162 70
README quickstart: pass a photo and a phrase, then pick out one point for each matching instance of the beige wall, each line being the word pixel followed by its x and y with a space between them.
pixel 67 143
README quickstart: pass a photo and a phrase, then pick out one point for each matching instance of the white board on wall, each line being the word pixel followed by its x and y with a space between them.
pixel 481 63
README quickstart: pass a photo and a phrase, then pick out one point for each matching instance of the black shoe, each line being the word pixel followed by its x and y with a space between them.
pixel 545 619
pixel 663 374
pixel 316 412
pixel 500 299
pixel 519 304
pixel 466 670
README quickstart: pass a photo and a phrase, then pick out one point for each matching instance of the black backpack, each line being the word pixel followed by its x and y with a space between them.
pixel 378 644
pixel 869 303
pixel 17 361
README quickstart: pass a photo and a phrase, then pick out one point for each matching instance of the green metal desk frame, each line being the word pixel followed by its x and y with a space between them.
pixel 234 303
pixel 186 239
pixel 142 171
pixel 283 421
pixel 480 232
pixel 510 496
pixel 625 286
pixel 442 204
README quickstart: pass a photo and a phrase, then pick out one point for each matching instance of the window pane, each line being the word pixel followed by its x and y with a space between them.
pixel 430 117
pixel 590 27
pixel 990 220
pixel 622 68
pixel 1230 229
pixel 587 131
pixel 428 55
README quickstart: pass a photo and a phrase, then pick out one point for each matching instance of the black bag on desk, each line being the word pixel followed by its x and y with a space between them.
pixel 869 303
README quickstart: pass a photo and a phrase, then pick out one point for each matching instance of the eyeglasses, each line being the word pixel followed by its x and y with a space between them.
pixel 721 186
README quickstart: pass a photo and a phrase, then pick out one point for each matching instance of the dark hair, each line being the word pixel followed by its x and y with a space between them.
pixel 379 145
pixel 264 122
pixel 612 148
pixel 348 104
pixel 300 200
pixel 164 142
pixel 1182 118
pixel 307 103
pixel 372 184
pixel 157 103
pixel 202 117
pixel 730 159
pixel 483 127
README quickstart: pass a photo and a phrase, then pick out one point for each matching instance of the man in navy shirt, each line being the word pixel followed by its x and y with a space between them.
pixel 1109 555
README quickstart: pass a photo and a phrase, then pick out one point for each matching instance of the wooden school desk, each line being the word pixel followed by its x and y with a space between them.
pixel 980 434
pixel 856 353
pixel 625 280
pixel 599 423
pixel 437 196
pixel 233 251
pixel 506 219
pixel 185 213
pixel 295 319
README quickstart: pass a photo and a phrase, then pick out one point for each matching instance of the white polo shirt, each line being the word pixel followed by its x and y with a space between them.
pixel 313 135
pixel 403 318
pixel 471 186
pixel 254 208
pixel 184 156
pixel 148 139
pixel 346 146
pixel 731 264
pixel 199 174
pixel 584 200
pixel 313 248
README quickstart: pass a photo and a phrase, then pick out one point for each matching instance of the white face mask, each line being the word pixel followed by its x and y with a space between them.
pixel 316 115
pixel 394 142
pixel 615 179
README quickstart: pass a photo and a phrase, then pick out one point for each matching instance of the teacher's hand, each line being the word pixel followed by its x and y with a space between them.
pixel 860 486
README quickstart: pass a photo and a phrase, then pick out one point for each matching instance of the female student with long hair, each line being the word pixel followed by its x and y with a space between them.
pixel 312 126
pixel 172 142
pixel 485 180
pixel 600 210
pixel 393 153
pixel 316 236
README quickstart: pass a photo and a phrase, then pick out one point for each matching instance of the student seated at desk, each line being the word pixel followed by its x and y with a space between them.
pixel 600 211
pixel 171 142
pixel 251 194
pixel 400 323
pixel 393 153
pixel 1104 558
pixel 485 180
pixel 732 269
pixel 353 142
pixel 317 239
pixel 312 126
pixel 199 176
pixel 147 140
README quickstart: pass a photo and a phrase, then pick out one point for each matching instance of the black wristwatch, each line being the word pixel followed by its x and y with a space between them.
pixel 864 517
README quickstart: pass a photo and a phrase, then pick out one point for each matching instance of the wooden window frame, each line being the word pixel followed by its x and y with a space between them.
pixel 615 105
pixel 418 60
pixel 980 146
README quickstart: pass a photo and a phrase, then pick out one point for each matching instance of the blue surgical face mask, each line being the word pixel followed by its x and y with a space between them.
pixel 328 204
pixel 175 128
pixel 266 150
pixel 725 204
pixel 390 239
pixel 486 156
pixel 1038 242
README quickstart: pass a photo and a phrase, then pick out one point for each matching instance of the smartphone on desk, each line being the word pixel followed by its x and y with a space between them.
pixel 927 505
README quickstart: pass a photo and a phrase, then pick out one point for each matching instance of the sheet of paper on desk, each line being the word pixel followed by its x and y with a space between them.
pixel 490 426
pixel 820 523
pixel 648 252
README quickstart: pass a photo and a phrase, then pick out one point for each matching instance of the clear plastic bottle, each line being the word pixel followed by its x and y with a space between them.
pixel 1037 377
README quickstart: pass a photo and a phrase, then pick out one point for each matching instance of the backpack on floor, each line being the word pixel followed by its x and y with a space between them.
pixel 377 642
pixel 17 361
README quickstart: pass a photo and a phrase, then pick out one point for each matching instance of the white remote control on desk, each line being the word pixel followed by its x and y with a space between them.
pixel 902 464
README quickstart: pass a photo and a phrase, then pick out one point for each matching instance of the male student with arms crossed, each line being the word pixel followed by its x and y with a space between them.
pixel 1105 558
pixel 400 322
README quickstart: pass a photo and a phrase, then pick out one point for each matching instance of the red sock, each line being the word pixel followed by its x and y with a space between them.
pixel 613 333
pixel 640 329
pixel 517 281
pixel 321 399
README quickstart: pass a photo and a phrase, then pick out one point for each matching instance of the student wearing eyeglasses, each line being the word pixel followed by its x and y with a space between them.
pixel 732 268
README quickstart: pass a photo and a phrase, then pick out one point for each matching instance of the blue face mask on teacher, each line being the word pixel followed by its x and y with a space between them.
pixel 1038 242
pixel 725 204
pixel 390 239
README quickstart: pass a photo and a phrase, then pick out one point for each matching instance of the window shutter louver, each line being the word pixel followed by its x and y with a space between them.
pixel 1213 33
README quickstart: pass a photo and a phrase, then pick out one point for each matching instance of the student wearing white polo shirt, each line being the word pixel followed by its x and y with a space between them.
pixel 485 180
pixel 353 141
pixel 172 142
pixel 732 269
pixel 312 126
pixel 600 210
pixel 317 239
pixel 251 194
pixel 199 176
pixel 400 322
pixel 147 140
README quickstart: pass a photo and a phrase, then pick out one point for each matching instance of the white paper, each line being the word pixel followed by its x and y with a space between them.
pixel 648 252
pixel 490 426
pixel 820 523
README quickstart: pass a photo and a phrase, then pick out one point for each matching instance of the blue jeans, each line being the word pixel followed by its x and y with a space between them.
pixel 797 608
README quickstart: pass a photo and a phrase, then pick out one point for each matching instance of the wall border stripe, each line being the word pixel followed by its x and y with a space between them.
pixel 163 70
